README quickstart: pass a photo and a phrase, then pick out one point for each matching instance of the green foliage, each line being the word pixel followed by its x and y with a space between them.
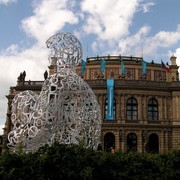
pixel 76 162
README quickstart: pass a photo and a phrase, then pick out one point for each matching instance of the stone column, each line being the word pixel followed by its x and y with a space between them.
pixel 160 108
pixel 141 113
pixel 118 108
pixel 103 105
pixel 178 105
pixel 166 143
pixel 144 140
pixel 122 140
pixel 161 141
pixel 139 142
pixel 117 145
pixel 123 108
pixel 163 108
pixel 145 109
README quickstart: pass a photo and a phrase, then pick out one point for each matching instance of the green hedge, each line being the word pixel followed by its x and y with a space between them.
pixel 75 162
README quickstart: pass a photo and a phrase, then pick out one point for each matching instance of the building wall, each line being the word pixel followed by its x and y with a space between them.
pixel 158 84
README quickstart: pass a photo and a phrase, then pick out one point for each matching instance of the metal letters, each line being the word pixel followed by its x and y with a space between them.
pixel 66 110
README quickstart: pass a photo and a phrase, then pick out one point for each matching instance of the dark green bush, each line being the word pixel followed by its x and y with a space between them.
pixel 76 162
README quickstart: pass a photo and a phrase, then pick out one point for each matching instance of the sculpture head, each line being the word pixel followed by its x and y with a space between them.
pixel 65 48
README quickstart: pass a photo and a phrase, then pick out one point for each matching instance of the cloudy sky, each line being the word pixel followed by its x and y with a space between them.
pixel 133 27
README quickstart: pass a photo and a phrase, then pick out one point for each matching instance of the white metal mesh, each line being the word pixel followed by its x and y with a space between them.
pixel 66 110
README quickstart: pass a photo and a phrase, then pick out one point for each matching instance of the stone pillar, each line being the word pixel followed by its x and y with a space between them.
pixel 178 105
pixel 163 108
pixel 118 108
pixel 166 140
pixel 144 140
pixel 152 75
pixel 174 107
pixel 161 141
pixel 99 99
pixel 139 142
pixel 117 148
pixel 169 107
pixel 139 99
pixel 123 108
pixel 122 140
pixel 103 97
pixel 145 109
pixel 160 109
pixel 141 115
pixel 163 131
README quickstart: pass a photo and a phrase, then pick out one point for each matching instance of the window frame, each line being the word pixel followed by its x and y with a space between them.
pixel 132 142
pixel 131 109
pixel 153 110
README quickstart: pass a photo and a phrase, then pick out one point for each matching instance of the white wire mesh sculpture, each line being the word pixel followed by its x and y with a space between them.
pixel 65 48
pixel 66 109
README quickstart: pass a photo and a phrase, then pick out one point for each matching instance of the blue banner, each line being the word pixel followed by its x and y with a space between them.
pixel 144 69
pixel 123 70
pixel 83 66
pixel 110 91
pixel 103 64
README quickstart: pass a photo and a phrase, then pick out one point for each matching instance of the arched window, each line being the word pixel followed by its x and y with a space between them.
pixel 109 142
pixel 153 144
pixel 131 109
pixel 131 142
pixel 106 108
pixel 152 109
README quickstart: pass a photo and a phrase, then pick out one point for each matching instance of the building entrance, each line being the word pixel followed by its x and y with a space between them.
pixel 109 142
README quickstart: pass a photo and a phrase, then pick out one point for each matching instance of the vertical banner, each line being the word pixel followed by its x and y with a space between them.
pixel 83 66
pixel 103 64
pixel 123 70
pixel 144 69
pixel 110 91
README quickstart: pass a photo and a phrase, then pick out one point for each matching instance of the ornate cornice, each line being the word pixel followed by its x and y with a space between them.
pixel 137 125
pixel 135 85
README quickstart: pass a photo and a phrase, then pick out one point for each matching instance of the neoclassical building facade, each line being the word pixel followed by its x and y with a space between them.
pixel 146 116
